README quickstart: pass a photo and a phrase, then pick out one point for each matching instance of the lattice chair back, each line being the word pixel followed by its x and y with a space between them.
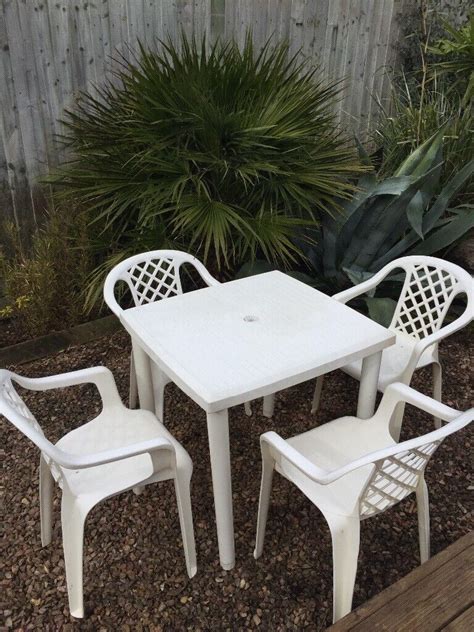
pixel 394 478
pixel 17 412
pixel 397 470
pixel 153 280
pixel 13 407
pixel 428 291
pixel 151 276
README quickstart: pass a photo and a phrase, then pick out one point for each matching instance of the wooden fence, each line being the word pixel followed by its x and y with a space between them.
pixel 51 49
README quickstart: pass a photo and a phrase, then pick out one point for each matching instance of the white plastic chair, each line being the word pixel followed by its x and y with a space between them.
pixel 151 276
pixel 114 452
pixel 429 288
pixel 352 469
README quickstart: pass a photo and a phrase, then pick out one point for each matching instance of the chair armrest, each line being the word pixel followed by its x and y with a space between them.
pixel 204 273
pixel 101 376
pixel 361 288
pixel 283 449
pixel 426 342
pixel 442 333
pixel 394 394
pixel 397 393
pixel 278 445
pixel 77 462
pixel 109 292
pixel 460 421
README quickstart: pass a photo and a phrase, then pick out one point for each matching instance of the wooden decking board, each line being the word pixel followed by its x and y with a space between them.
pixel 463 623
pixel 431 597
pixel 432 603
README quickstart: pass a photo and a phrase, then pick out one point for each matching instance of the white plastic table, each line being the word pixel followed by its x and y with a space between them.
pixel 238 341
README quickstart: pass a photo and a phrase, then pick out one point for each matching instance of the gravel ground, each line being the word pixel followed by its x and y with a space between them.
pixel 134 573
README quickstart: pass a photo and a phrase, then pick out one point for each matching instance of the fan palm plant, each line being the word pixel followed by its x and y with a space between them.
pixel 219 150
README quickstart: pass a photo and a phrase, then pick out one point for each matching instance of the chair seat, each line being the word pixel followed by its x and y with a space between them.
pixel 116 429
pixel 394 361
pixel 331 446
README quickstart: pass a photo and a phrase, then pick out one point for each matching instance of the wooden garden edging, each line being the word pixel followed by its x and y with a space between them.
pixel 57 341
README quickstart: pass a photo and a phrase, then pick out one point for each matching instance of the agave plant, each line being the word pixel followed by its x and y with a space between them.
pixel 402 215
pixel 223 151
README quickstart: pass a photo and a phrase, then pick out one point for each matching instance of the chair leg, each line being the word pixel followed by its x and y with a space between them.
pixel 46 501
pixel 269 405
pixel 422 500
pixel 248 409
pixel 264 502
pixel 133 390
pixel 345 534
pixel 183 498
pixel 317 393
pixel 437 388
pixel 73 516
pixel 160 380
pixel 396 421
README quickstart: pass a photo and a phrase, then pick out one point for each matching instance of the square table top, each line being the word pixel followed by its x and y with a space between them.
pixel 231 343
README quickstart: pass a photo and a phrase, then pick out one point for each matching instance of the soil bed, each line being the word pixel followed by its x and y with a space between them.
pixel 134 573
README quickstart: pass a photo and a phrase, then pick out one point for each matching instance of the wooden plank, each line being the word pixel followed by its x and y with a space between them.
pixel 218 23
pixel 57 341
pixel 283 31
pixel 26 89
pixel 373 71
pixel 184 13
pixel 115 17
pixel 21 209
pixel 296 26
pixel 431 586
pixel 6 201
pixel 433 602
pixel 320 18
pixel 463 623
pixel 353 17
pixel 202 19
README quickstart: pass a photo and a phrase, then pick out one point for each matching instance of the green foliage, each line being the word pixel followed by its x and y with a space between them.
pixel 457 54
pixel 218 151
pixel 414 118
pixel 44 287
pixel 433 91
pixel 423 23
pixel 402 215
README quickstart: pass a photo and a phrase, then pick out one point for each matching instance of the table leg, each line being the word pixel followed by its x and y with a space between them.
pixel 218 431
pixel 144 381
pixel 368 385
pixel 269 405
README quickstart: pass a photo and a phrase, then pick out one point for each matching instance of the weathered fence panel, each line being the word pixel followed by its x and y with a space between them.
pixel 51 49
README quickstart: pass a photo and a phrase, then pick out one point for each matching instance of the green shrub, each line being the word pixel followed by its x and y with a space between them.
pixel 220 152
pixel 44 287
pixel 402 215
pixel 456 54
pixel 413 120
pixel 435 93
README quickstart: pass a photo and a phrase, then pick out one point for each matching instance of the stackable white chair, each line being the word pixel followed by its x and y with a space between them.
pixel 352 469
pixel 429 288
pixel 151 276
pixel 116 451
